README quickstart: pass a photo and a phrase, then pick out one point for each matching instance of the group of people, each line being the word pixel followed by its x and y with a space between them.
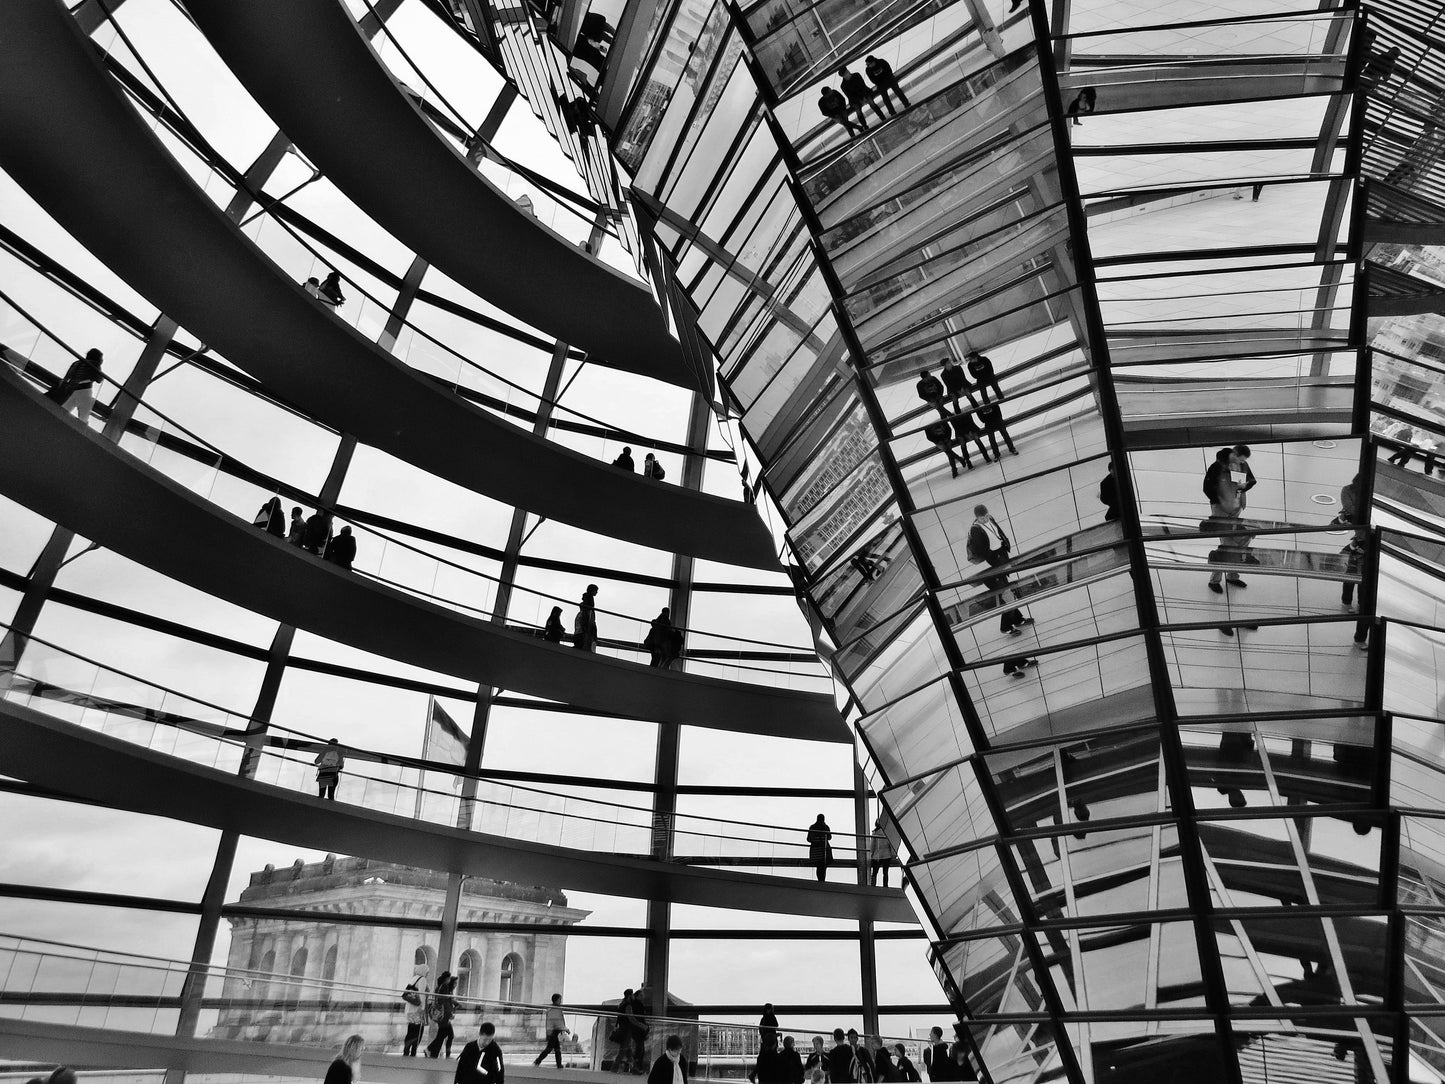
pixel 327 291
pixel 663 641
pixel 855 93
pixel 427 1007
pixel 881 854
pixel 854 1059
pixel 982 420
pixel 651 468
pixel 311 533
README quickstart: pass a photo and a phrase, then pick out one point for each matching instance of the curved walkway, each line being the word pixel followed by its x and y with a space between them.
pixel 83 764
pixel 55 466
pixel 375 145
pixel 70 139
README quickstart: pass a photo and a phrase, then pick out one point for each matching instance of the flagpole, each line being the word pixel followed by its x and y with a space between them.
pixel 425 745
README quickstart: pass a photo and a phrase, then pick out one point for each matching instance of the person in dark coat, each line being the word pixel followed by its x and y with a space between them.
pixel 341 550
pixel 1083 103
pixel 835 107
pixel 955 382
pixel 624 461
pixel 76 390
pixel 883 1067
pixel 990 416
pixel 859 92
pixel 907 1071
pixel 348 1061
pixel 989 545
pixel 820 851
pixel 584 625
pixel 790 1064
pixel 671 1067
pixel 930 390
pixel 965 429
pixel 864 1070
pixel 330 290
pixel 554 632
pixel 1109 495
pixel 881 72
pixel 271 519
pixel 817 1060
pixel 481 1061
pixel 442 1008
pixel 767 1069
pixel 659 637
pixel 980 367
pixel 767 1026
pixel 935 1057
pixel 297 531
pixel 318 532
pixel 329 763
pixel 840 1060
pixel 941 437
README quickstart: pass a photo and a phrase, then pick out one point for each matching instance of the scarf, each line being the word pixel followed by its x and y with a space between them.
pixel 676 1059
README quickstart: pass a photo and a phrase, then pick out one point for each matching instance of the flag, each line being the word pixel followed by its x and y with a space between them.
pixel 444 740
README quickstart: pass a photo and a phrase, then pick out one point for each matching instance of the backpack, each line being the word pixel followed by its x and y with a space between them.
pixel 411 995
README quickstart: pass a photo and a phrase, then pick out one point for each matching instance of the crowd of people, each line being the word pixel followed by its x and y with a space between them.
pixel 958 426
pixel 854 93
pixel 853 1059
pixel 311 533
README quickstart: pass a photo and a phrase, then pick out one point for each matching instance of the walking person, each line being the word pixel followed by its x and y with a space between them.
pixel 270 518
pixel 1225 505
pixel 481 1061
pixel 624 461
pixel 345 1068
pixel 414 997
pixel 859 93
pixel 76 389
pixel 329 763
pixel 881 852
pixel 341 550
pixel 671 1066
pixel 990 416
pixel 930 390
pixel 556 1025
pixel 955 382
pixel 835 107
pixel 441 1010
pixel 881 72
pixel 584 625
pixel 296 532
pixel 659 637
pixel 820 851
pixel 987 544
pixel 554 631
pixel 980 368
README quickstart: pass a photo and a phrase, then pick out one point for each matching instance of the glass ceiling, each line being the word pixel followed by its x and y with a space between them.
pixel 1180 825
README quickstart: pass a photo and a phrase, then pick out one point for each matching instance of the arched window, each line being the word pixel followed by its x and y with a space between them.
pixel 469 974
pixel 295 989
pixel 426 956
pixel 262 983
pixel 328 973
pixel 511 985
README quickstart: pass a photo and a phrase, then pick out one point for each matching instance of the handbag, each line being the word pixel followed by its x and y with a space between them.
pixel 411 995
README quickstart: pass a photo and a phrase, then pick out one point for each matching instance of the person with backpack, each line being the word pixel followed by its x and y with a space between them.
pixel 987 544
pixel 659 638
pixel 442 1007
pixel 935 1056
pixel 651 468
pixel 329 763
pixel 414 999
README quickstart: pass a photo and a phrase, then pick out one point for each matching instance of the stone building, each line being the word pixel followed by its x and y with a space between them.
pixel 334 976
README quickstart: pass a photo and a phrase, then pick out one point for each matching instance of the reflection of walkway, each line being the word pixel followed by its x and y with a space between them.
pixel 222 555
pixel 112 184
pixel 83 764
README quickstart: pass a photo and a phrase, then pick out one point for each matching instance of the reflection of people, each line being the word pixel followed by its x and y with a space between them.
pixel 955 380
pixel 965 430
pixel 939 434
pixel 930 390
pixel 990 416
pixel 1084 102
pixel 980 367
pixel 834 106
pixel 592 39
pixel 859 93
pixel 989 545
pixel 1404 453
pixel 1225 505
pixel 1109 495
pixel 881 72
